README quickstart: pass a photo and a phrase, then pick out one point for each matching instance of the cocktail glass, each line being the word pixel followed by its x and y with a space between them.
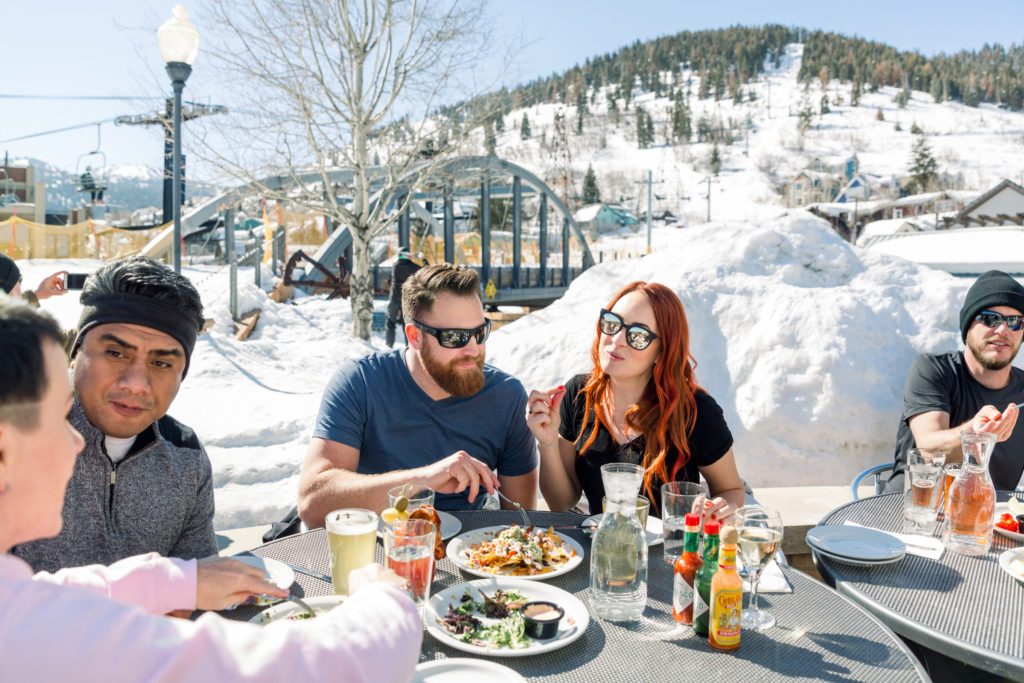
pixel 760 532
pixel 409 548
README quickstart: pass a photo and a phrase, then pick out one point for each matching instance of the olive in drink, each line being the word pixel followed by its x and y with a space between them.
pixel 351 540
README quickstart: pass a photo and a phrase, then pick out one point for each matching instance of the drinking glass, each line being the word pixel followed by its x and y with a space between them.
pixel 643 508
pixel 351 538
pixel 417 495
pixel 922 485
pixel 949 473
pixel 409 548
pixel 677 499
pixel 760 536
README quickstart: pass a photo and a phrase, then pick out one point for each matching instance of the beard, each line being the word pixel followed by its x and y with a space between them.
pixel 977 350
pixel 453 380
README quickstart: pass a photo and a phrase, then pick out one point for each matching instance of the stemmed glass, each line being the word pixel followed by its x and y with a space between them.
pixel 760 536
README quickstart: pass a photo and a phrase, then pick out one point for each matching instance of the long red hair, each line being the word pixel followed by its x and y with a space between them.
pixel 667 410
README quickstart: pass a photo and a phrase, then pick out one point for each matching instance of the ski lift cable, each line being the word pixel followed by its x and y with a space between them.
pixel 18 96
pixel 59 130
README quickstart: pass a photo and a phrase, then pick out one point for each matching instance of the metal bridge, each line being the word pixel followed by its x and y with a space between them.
pixel 478 178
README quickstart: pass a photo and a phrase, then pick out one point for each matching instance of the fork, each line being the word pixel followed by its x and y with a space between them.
pixel 301 603
pixel 516 505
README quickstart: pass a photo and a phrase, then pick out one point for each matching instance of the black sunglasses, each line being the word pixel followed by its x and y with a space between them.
pixel 454 337
pixel 637 336
pixel 993 320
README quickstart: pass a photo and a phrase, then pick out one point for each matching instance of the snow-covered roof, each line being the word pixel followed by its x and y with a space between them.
pixel 963 251
pixel 886 227
pixel 837 209
pixel 587 213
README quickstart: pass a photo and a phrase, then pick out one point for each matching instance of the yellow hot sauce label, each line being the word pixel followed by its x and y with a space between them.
pixel 726 606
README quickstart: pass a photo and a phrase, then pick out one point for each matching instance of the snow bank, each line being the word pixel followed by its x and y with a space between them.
pixel 804 340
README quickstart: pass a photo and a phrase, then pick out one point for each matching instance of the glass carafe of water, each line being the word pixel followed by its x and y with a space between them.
pixel 972 498
pixel 618 555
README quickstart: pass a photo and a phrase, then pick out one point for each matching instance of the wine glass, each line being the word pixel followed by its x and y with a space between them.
pixel 760 532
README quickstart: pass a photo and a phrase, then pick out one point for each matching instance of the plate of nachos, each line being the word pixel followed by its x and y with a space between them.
pixel 522 552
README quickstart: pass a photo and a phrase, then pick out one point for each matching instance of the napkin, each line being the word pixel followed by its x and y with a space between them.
pixel 772 580
pixel 922 546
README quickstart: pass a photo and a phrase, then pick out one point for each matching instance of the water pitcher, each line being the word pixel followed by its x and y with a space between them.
pixel 972 498
pixel 618 556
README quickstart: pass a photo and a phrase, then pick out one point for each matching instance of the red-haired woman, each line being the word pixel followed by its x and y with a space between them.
pixel 640 404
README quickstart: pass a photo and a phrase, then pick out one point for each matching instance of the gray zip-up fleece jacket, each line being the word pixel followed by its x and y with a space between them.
pixel 159 498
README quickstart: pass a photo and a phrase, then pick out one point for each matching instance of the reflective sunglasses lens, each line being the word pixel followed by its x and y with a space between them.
pixel 638 338
pixel 609 323
pixel 993 320
pixel 482 333
pixel 453 339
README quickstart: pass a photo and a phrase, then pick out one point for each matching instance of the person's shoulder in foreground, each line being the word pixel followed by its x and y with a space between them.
pixel 105 621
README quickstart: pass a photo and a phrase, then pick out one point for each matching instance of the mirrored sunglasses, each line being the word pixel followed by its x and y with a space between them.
pixel 637 336
pixel 993 320
pixel 454 337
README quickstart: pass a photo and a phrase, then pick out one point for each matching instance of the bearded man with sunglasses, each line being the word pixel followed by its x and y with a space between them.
pixel 975 389
pixel 432 414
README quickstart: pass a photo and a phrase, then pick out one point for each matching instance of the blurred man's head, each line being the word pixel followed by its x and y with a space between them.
pixel 10 276
pixel 138 327
pixel 37 444
pixel 446 326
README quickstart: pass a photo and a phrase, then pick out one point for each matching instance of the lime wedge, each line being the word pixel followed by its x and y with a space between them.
pixel 1015 506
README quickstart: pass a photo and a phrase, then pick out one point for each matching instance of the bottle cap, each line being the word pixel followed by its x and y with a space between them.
pixel 691 519
pixel 712 527
pixel 729 535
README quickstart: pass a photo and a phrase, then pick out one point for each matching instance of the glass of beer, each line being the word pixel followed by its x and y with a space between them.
pixel 351 539
pixel 922 485
pixel 409 547
pixel 949 473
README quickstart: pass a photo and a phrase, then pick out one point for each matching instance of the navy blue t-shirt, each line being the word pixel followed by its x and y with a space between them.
pixel 373 405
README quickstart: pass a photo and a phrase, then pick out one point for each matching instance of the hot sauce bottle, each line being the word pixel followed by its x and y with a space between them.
pixel 686 571
pixel 726 596
pixel 702 582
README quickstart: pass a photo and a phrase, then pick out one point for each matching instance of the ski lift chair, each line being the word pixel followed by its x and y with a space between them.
pixel 91 171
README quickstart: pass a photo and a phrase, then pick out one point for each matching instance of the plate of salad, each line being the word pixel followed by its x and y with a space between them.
pixel 1007 523
pixel 483 617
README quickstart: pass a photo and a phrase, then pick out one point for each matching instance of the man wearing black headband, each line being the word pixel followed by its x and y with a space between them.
pixel 143 483
pixel 974 389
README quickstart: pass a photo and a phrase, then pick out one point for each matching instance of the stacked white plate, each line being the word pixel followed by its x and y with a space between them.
pixel 854 545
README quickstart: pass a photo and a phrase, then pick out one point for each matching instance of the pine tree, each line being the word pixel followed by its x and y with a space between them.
pixel 644 128
pixel 591 193
pixel 715 163
pixel 805 118
pixel 824 105
pixel 524 128
pixel 924 170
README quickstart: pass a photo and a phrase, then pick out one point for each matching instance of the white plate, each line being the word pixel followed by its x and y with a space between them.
pixel 572 626
pixel 450 525
pixel 1001 508
pixel 286 609
pixel 856 563
pixel 458 552
pixel 464 670
pixel 1012 562
pixel 655 530
pixel 277 573
pixel 856 543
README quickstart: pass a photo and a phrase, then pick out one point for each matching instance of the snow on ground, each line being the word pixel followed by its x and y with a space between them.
pixel 962 250
pixel 804 340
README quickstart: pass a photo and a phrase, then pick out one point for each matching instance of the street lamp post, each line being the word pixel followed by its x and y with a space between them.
pixel 179 45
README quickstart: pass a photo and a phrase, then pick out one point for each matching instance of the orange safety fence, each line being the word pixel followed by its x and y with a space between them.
pixel 21 239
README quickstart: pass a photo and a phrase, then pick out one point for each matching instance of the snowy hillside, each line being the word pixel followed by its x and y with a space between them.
pixel 984 144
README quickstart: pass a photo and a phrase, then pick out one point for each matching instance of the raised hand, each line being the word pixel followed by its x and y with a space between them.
pixel 543 414
pixel 52 286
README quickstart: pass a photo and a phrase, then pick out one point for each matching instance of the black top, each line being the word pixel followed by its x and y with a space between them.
pixel 941 381
pixel 402 271
pixel 709 441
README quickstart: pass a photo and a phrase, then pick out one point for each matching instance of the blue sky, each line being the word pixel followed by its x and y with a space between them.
pixel 109 48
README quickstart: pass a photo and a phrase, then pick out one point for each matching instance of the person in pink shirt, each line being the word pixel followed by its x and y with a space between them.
pixel 106 623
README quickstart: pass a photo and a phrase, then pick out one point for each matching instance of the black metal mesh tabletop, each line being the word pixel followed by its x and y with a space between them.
pixel 962 606
pixel 820 635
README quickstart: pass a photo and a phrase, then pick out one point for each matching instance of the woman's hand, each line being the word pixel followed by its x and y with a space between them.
pixel 718 509
pixel 542 415
pixel 223 581
pixel 52 286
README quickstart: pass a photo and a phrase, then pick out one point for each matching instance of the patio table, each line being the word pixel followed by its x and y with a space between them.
pixel 820 635
pixel 961 606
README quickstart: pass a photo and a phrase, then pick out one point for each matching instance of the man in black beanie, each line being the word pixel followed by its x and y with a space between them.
pixel 143 483
pixel 974 389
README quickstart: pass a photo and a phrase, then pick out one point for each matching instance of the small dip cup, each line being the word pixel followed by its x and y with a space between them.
pixel 542 619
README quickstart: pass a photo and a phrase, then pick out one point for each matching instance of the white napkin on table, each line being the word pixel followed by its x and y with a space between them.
pixel 922 546
pixel 772 580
